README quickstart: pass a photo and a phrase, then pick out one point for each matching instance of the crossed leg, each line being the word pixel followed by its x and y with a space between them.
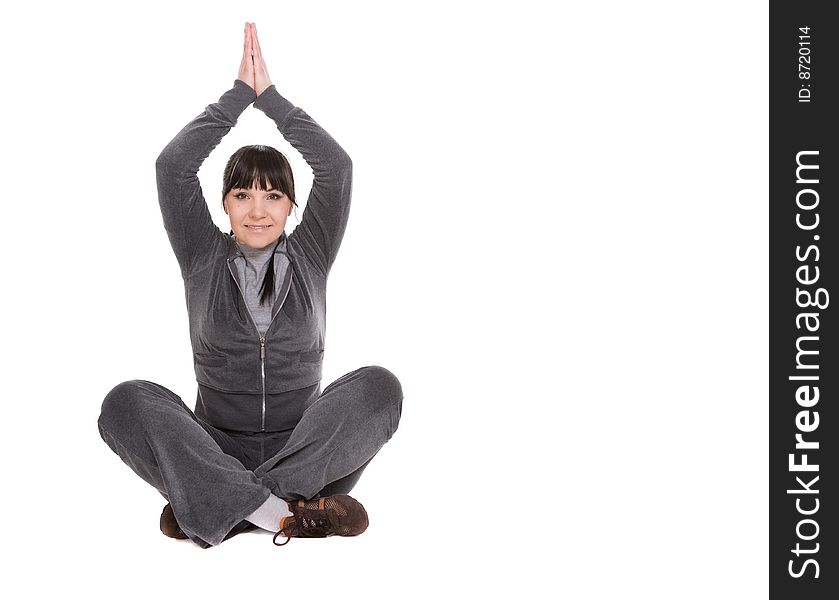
pixel 199 469
pixel 337 436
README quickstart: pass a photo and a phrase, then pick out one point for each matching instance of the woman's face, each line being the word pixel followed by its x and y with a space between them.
pixel 257 217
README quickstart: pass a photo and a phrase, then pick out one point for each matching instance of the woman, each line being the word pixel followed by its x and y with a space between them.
pixel 265 446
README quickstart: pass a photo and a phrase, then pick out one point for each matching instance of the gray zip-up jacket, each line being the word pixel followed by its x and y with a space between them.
pixel 249 382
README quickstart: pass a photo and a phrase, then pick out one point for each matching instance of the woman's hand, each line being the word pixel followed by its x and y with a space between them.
pixel 246 71
pixel 261 79
pixel 253 70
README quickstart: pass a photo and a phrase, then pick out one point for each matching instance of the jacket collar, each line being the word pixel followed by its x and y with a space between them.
pixel 282 262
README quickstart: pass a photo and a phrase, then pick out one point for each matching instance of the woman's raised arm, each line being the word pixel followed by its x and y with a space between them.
pixel 324 221
pixel 186 216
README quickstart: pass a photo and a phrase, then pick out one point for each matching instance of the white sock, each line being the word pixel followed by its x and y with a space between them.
pixel 269 514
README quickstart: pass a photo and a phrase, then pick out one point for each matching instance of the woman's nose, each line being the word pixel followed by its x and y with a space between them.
pixel 257 210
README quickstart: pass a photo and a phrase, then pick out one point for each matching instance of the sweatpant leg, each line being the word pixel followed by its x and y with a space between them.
pixel 345 484
pixel 337 436
pixel 160 438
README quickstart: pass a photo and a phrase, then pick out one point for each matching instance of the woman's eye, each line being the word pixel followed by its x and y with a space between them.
pixel 243 195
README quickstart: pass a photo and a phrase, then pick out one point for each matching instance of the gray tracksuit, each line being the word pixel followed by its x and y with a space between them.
pixel 247 382
pixel 261 423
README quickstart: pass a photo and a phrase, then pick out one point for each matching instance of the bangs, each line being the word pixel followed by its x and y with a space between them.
pixel 255 167
pixel 251 175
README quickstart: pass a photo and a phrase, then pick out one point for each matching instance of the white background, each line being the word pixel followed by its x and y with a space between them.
pixel 558 243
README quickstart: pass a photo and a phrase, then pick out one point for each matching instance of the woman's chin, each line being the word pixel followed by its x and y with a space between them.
pixel 258 238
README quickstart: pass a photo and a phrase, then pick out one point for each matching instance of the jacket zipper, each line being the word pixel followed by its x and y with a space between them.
pixel 261 337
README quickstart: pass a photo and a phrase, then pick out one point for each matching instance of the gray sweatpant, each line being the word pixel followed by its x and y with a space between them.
pixel 213 478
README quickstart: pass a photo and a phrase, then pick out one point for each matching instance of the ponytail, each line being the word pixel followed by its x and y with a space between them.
pixel 267 290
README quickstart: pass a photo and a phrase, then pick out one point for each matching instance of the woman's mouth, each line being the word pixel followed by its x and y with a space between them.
pixel 257 228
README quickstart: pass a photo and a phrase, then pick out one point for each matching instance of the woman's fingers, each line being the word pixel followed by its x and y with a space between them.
pixel 261 79
pixel 257 52
pixel 246 44
pixel 246 70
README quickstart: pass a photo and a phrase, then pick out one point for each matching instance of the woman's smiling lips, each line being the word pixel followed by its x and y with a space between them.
pixel 257 228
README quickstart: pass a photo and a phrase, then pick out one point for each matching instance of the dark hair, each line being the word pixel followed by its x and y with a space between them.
pixel 262 167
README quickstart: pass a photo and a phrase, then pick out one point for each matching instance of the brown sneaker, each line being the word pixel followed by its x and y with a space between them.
pixel 323 517
pixel 169 526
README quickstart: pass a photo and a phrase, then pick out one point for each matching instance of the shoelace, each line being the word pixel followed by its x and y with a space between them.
pixel 308 524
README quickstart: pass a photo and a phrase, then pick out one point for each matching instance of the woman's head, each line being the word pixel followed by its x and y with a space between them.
pixel 258 190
